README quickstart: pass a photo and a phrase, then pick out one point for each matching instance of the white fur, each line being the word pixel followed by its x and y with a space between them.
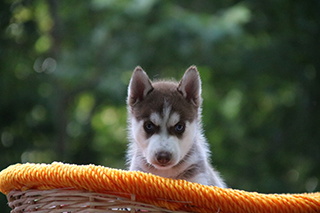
pixel 173 119
pixel 180 148
pixel 166 142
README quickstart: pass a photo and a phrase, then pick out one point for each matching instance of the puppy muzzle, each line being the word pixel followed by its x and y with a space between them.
pixel 163 158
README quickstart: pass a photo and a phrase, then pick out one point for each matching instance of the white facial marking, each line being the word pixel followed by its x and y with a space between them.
pixel 173 120
pixel 155 119
pixel 166 111
pixel 138 133
pixel 188 136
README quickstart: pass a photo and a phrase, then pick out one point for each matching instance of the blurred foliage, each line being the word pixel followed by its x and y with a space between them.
pixel 65 66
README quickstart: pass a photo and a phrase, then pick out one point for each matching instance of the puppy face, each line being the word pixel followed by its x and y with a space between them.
pixel 164 117
pixel 165 138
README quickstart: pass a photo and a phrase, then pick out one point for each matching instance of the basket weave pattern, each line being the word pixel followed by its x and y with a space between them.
pixel 66 200
pixel 59 187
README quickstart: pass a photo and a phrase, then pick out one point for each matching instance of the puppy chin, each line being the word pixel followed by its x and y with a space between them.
pixel 163 167
pixel 158 166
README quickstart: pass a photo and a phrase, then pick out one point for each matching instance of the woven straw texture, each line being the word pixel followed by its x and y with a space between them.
pixel 147 189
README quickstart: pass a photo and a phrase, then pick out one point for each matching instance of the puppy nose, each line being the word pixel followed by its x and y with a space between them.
pixel 163 157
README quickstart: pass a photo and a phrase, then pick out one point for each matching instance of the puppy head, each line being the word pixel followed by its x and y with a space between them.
pixel 164 116
pixel 189 86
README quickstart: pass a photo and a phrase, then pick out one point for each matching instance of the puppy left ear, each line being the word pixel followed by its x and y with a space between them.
pixel 190 86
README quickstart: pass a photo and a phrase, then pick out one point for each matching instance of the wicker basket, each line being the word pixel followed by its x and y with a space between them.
pixel 68 200
pixel 65 188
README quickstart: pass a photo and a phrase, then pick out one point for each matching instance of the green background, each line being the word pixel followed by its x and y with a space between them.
pixel 65 67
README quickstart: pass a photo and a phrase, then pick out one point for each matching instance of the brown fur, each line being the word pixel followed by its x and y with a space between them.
pixel 154 102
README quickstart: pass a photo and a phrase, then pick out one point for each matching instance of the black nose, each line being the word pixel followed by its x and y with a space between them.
pixel 163 157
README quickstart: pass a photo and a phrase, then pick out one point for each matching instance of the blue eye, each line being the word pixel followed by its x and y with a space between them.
pixel 179 127
pixel 149 127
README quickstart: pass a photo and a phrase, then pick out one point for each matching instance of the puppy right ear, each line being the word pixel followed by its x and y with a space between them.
pixel 190 86
pixel 140 86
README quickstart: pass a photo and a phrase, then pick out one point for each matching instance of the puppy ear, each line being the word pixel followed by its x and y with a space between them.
pixel 140 86
pixel 190 86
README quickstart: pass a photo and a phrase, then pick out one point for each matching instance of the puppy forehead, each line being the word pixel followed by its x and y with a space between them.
pixel 169 119
pixel 165 103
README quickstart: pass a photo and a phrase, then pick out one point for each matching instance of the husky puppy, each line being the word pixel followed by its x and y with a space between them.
pixel 165 131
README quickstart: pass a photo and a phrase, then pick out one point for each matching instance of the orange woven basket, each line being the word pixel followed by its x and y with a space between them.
pixel 60 187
